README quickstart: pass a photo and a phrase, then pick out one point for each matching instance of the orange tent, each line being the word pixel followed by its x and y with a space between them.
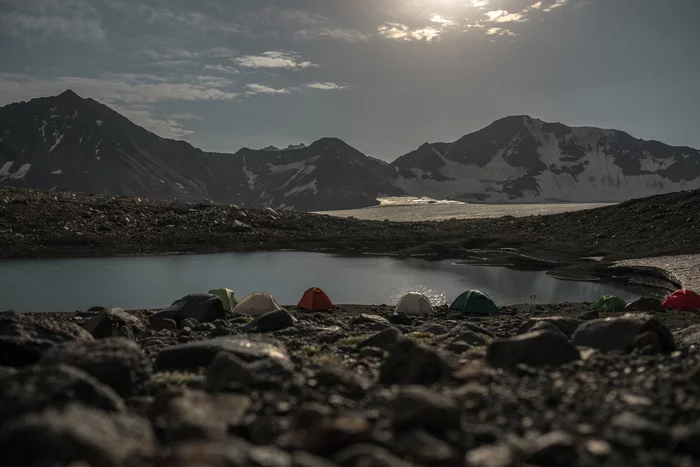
pixel 315 299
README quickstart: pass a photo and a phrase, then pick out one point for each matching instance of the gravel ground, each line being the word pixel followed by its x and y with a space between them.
pixel 545 385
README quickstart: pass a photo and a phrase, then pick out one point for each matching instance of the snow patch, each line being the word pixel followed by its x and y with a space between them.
pixel 5 169
pixel 43 135
pixel 250 176
pixel 180 185
pixel 309 186
pixel 53 109
pixel 56 172
pixel 59 138
pixel 23 170
pixel 99 122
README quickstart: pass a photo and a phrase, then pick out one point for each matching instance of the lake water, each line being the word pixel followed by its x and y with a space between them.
pixel 155 282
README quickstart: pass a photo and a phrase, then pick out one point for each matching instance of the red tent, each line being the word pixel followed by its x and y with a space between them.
pixel 315 299
pixel 685 300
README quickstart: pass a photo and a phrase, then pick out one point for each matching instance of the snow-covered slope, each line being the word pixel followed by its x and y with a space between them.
pixel 522 159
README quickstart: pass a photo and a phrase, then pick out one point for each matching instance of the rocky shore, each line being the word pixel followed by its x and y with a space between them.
pixel 49 224
pixel 535 385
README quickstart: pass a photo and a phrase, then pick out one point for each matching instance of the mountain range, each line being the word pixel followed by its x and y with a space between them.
pixel 69 143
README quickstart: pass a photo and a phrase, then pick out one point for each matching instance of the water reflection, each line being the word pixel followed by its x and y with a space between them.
pixel 69 284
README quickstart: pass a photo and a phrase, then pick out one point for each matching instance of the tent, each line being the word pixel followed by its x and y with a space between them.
pixel 414 303
pixel 315 299
pixel 683 299
pixel 476 302
pixel 257 304
pixel 227 297
pixel 609 303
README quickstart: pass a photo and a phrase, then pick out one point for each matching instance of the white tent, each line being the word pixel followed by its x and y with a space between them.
pixel 414 303
pixel 257 304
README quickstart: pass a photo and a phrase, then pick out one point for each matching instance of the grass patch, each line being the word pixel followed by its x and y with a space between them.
pixel 327 360
pixel 425 337
pixel 176 378
pixel 306 351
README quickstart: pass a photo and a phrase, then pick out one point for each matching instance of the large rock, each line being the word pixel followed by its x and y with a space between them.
pixel 688 337
pixel 335 433
pixel 116 362
pixel 645 304
pixel 533 349
pixel 271 322
pixel 108 321
pixel 76 435
pixel 199 354
pixel 566 325
pixel 202 307
pixel 228 371
pixel 411 363
pixel 196 415
pixel 383 339
pixel 623 333
pixel 420 406
pixel 23 338
pixel 232 453
pixel 38 387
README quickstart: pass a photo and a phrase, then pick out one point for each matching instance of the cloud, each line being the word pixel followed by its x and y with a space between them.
pixel 499 32
pixel 479 3
pixel 260 89
pixel 273 59
pixel 344 35
pixel 442 20
pixel 162 124
pixel 536 6
pixel 70 19
pixel 326 86
pixel 170 54
pixel 555 5
pixel 399 31
pixel 222 69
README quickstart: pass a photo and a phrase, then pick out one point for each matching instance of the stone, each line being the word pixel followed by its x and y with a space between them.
pixel 470 337
pixel 554 449
pixel 199 354
pixel 24 338
pixel 496 455
pixel 619 333
pixel 650 433
pixel 202 307
pixel 436 329
pixel 38 387
pixel 645 304
pixel 270 322
pixel 162 324
pixel 420 406
pixel 233 452
pixel 545 326
pixel 228 371
pixel 688 337
pixel 191 415
pixel 686 440
pixel 117 362
pixel 409 362
pixel 107 322
pixel 365 318
pixel 566 325
pixel 348 380
pixel 401 319
pixel 589 315
pixel 76 435
pixel 383 339
pixel 305 459
pixel 188 323
pixel 533 349
pixel 425 449
pixel 332 434
pixel 368 455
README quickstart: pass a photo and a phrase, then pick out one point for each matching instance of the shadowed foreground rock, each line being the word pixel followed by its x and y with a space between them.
pixel 624 333
pixel 533 349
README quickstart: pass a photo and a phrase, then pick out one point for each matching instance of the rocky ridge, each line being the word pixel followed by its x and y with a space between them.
pixel 531 386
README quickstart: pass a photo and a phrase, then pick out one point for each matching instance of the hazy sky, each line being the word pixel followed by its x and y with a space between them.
pixel 384 75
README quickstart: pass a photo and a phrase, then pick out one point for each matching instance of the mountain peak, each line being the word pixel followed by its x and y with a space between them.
pixel 69 94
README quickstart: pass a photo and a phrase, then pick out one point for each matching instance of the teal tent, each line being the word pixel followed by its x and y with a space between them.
pixel 475 302
pixel 609 303
pixel 227 297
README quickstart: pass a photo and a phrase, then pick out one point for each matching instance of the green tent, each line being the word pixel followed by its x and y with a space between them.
pixel 227 297
pixel 609 303
pixel 476 302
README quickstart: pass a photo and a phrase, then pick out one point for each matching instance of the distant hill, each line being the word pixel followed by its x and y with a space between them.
pixel 68 143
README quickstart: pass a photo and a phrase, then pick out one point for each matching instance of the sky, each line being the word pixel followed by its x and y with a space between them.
pixel 383 75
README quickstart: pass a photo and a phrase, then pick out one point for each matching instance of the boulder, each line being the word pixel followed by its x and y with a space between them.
pixel 24 338
pixel 76 435
pixel 620 333
pixel 117 362
pixel 202 307
pixel 199 354
pixel 645 304
pixel 38 387
pixel 383 339
pixel 409 362
pixel 271 322
pixel 228 371
pixel 423 407
pixel 107 322
pixel 533 349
